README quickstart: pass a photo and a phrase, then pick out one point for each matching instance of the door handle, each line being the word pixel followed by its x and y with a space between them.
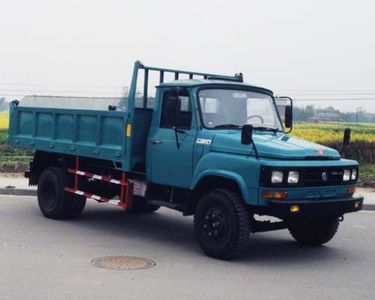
pixel 156 142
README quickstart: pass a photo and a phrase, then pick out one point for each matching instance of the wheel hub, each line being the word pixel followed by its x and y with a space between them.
pixel 215 225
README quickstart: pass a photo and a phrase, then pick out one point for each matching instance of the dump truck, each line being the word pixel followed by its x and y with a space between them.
pixel 206 145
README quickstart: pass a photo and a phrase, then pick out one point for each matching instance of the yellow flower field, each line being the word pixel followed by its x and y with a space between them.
pixel 332 132
pixel 4 120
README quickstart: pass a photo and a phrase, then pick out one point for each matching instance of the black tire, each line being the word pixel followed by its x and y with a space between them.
pixel 140 206
pixel 314 232
pixel 222 224
pixel 53 201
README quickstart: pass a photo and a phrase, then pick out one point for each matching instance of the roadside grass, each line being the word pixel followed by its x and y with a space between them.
pixel 3 136
pixel 12 159
pixel 367 170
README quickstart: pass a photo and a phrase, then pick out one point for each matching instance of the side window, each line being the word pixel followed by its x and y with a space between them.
pixel 176 110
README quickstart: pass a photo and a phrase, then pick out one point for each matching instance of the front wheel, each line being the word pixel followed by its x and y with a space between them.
pixel 221 224
pixel 314 232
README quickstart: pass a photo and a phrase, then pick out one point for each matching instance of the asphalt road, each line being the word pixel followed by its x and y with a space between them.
pixel 46 259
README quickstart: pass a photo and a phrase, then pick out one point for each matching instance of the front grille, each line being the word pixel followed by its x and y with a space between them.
pixel 322 176
pixel 308 176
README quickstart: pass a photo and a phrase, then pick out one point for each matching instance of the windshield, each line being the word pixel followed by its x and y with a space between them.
pixel 230 108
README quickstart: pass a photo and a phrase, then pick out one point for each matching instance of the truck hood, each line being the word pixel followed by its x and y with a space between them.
pixel 270 145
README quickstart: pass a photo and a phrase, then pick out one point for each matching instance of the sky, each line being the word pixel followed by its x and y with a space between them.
pixel 306 49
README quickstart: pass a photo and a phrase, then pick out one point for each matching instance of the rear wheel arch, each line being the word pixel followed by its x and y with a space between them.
pixel 43 160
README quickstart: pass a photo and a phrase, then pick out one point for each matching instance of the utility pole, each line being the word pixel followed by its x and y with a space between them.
pixel 357 114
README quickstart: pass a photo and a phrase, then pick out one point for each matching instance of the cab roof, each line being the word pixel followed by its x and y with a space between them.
pixel 203 82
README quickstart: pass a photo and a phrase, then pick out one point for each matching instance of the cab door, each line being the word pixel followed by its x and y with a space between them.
pixel 171 140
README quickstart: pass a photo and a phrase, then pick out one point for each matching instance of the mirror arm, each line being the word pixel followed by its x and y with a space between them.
pixel 291 125
pixel 255 149
pixel 176 135
pixel 291 108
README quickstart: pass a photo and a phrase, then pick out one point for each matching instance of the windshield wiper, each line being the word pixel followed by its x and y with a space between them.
pixel 266 128
pixel 227 126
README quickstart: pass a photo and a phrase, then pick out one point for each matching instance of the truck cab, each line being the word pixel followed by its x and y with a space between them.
pixel 211 146
pixel 197 133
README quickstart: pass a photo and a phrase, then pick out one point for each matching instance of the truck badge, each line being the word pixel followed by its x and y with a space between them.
pixel 324 176
pixel 203 141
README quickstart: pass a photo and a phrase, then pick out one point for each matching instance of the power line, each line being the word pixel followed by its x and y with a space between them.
pixel 334 99
pixel 120 93
pixel 331 94
pixel 57 91
pixel 61 85
pixel 325 91
pixel 294 91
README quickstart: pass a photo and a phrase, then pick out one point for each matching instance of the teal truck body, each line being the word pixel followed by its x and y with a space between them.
pixel 211 146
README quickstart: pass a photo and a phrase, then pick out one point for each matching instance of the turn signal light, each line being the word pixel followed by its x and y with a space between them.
pixel 350 190
pixel 275 195
pixel 294 209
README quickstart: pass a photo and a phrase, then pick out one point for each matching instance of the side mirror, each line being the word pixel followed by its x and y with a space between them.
pixel 346 140
pixel 247 134
pixel 285 108
pixel 288 117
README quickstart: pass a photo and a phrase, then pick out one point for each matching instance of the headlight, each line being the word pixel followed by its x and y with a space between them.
pixel 293 177
pixel 346 175
pixel 354 174
pixel 277 177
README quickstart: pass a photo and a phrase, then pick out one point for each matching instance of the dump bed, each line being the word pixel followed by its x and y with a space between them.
pixel 118 136
pixel 91 133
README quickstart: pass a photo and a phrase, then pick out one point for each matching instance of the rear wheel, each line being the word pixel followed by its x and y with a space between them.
pixel 221 224
pixel 53 201
pixel 314 232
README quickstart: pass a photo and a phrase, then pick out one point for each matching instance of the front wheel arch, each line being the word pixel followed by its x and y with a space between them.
pixel 210 182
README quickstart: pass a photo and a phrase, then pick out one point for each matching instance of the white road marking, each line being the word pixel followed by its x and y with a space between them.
pixel 360 226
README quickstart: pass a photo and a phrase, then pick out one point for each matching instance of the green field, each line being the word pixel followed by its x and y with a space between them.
pixel 11 159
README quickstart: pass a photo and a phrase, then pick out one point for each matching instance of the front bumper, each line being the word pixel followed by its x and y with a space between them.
pixel 313 208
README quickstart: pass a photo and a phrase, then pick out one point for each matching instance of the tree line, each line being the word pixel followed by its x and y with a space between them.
pixel 310 113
